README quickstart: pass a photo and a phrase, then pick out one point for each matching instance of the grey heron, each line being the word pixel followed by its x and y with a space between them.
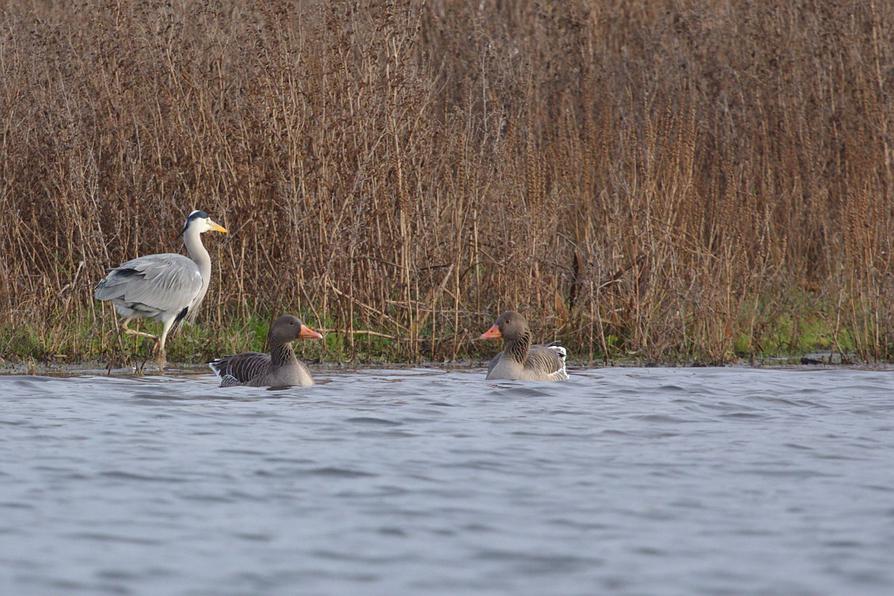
pixel 166 287
pixel 279 368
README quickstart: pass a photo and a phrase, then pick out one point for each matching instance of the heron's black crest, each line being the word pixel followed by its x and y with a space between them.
pixel 197 214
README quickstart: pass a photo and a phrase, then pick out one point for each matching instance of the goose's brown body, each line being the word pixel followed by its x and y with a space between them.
pixel 519 360
pixel 279 368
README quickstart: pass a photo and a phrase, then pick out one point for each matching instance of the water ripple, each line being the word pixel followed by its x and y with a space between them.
pixel 621 481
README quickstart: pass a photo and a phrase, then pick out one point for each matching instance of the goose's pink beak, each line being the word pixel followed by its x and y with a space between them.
pixel 308 333
pixel 492 333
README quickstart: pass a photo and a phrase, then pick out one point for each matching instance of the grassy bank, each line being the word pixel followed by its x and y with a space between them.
pixel 68 343
pixel 667 181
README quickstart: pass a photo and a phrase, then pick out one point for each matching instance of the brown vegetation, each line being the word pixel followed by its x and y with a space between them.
pixel 670 179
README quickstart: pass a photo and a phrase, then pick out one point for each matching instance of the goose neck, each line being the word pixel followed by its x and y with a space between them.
pixel 518 348
pixel 282 354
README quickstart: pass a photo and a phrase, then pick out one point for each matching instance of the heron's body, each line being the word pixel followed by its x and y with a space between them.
pixel 519 360
pixel 153 287
pixel 279 368
pixel 166 287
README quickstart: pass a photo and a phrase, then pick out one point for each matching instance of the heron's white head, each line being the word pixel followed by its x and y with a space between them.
pixel 201 223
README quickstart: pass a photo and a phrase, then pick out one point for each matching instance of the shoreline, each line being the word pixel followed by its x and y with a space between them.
pixel 179 369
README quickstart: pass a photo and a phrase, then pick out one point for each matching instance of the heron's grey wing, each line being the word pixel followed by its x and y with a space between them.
pixel 162 283
pixel 242 367
pixel 548 361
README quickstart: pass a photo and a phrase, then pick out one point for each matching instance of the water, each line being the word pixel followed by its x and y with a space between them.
pixel 621 481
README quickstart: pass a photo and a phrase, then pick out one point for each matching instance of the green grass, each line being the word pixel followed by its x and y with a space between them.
pixel 83 340
pixel 770 332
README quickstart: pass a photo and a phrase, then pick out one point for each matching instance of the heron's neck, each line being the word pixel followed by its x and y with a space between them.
pixel 282 355
pixel 193 241
pixel 517 348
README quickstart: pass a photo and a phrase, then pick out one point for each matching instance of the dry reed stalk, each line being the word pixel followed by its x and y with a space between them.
pixel 673 182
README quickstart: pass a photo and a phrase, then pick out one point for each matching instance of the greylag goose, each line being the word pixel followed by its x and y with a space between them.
pixel 166 287
pixel 279 368
pixel 519 360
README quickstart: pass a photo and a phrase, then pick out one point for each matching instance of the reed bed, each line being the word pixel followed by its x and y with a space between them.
pixel 665 181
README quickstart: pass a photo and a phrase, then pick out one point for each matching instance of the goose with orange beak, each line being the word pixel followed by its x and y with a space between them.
pixel 519 360
pixel 279 368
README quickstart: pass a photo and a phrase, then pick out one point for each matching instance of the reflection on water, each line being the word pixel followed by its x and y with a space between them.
pixel 622 481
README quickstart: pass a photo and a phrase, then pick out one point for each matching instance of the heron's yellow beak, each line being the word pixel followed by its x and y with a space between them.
pixel 216 227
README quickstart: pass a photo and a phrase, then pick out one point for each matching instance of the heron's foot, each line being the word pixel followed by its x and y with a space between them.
pixel 130 331
pixel 160 357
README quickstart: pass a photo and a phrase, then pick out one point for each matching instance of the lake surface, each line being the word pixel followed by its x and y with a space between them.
pixel 620 481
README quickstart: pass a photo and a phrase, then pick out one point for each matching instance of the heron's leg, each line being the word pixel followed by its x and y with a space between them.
pixel 160 345
pixel 130 331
